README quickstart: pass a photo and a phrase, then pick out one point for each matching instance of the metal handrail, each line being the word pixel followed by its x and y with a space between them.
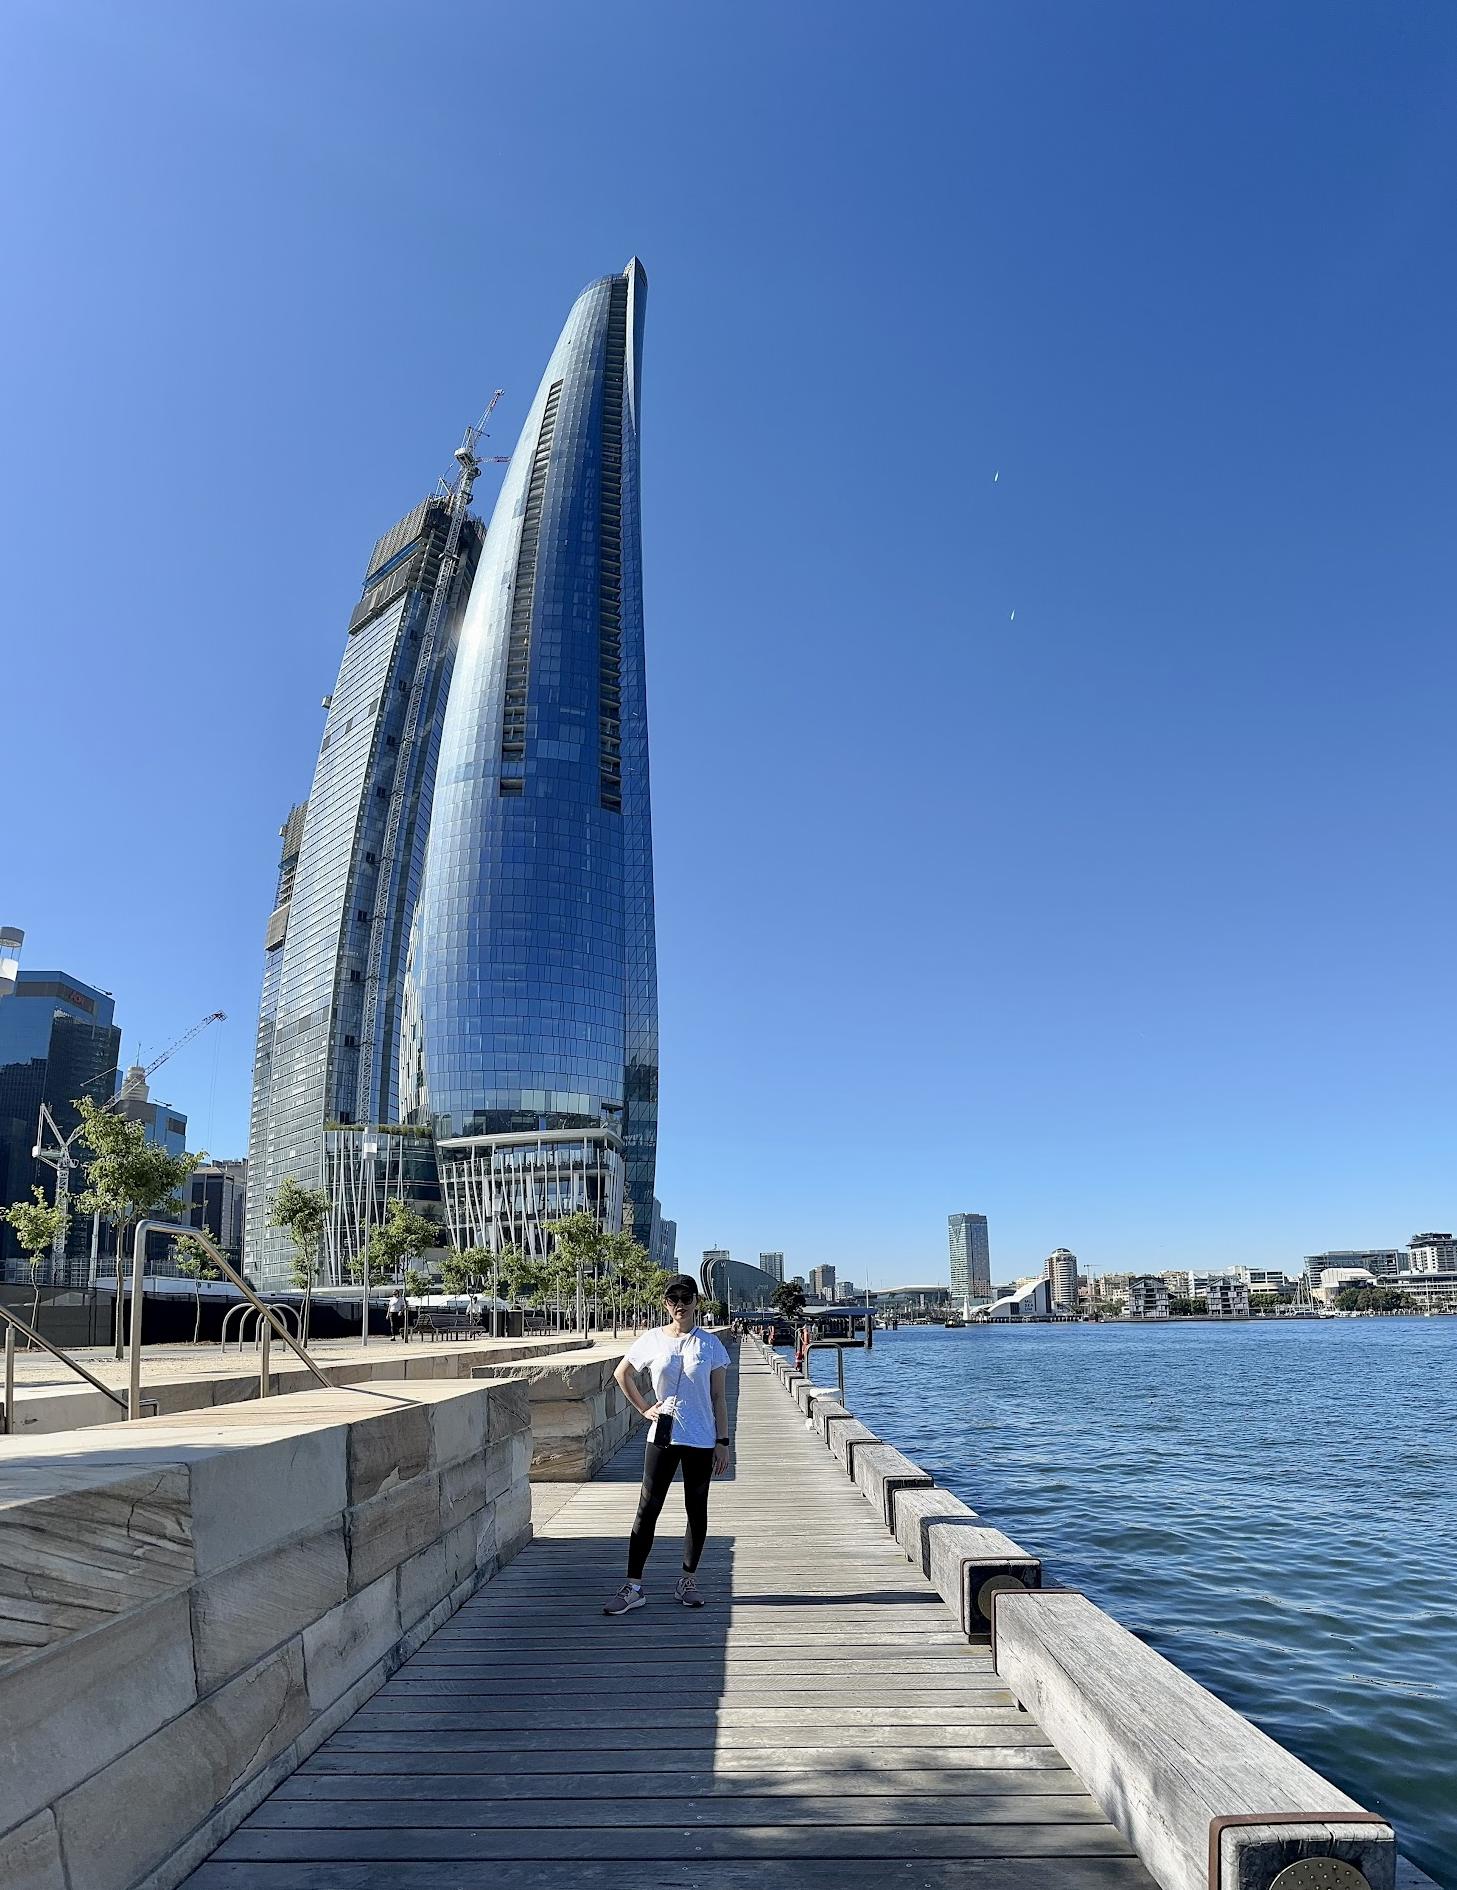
pixel 841 1346
pixel 245 1311
pixel 224 1266
pixel 13 1324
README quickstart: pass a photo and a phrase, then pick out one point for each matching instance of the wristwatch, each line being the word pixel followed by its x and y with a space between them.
pixel 726 1442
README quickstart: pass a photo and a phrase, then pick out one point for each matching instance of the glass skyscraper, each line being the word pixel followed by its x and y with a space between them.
pixel 326 1055
pixel 529 1039
pixel 971 1258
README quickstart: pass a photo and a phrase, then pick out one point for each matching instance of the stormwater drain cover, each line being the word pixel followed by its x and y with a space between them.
pixel 1320 1873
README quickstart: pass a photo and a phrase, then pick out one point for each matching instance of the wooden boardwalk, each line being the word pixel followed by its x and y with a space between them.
pixel 820 1723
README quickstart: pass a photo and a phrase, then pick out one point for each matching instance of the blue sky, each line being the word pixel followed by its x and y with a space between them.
pixel 1127 922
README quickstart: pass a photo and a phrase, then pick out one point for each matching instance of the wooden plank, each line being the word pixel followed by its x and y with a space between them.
pixel 827 1727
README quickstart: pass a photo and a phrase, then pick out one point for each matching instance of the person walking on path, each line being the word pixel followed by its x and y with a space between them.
pixel 397 1312
pixel 689 1432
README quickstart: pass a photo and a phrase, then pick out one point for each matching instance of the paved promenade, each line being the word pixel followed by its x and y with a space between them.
pixel 820 1723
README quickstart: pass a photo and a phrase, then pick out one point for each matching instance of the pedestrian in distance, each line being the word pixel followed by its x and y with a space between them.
pixel 688 1368
pixel 397 1313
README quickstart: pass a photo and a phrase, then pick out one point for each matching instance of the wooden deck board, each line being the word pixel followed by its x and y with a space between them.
pixel 820 1723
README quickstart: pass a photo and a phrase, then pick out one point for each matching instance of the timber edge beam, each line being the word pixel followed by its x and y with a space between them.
pixel 1207 1800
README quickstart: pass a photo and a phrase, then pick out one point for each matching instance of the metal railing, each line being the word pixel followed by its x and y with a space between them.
pixel 840 1346
pixel 271 1322
pixel 13 1324
pixel 245 1312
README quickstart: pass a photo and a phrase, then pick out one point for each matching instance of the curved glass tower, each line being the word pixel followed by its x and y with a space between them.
pixel 529 1027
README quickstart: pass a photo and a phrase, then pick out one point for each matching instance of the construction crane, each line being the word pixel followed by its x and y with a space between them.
pixel 59 1155
pixel 458 498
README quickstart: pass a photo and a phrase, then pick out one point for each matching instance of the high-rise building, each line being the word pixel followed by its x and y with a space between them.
pixel 822 1283
pixel 1432 1253
pixel 971 1257
pixel 529 1026
pixel 57 1043
pixel 1062 1276
pixel 217 1201
pixel 327 1047
pixel 772 1263
pixel 164 1126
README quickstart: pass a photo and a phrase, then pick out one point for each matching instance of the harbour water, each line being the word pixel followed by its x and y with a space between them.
pixel 1273 1505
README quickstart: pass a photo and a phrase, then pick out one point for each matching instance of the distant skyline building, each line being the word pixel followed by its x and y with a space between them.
pixel 971 1258
pixel 164 1126
pixel 58 1041
pixel 1432 1253
pixel 530 1018
pixel 326 1054
pixel 822 1283
pixel 217 1200
pixel 773 1263
pixel 741 1287
pixel 1377 1260
pixel 1062 1278
pixel 1147 1297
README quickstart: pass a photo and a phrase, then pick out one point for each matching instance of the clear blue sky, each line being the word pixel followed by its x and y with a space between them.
pixel 1128 923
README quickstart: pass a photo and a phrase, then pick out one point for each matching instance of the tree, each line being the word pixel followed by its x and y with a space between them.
pixel 402 1235
pixel 788 1299
pixel 1374 1299
pixel 37 1227
pixel 194 1263
pixel 520 1274
pixel 577 1253
pixel 303 1214
pixel 416 1285
pixel 458 1271
pixel 715 1312
pixel 128 1178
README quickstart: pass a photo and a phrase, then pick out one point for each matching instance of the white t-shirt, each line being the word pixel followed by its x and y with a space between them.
pixel 680 1370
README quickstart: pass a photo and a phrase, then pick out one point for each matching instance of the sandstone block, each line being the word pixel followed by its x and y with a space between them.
pixel 342 1646
pixel 243 1612
pixel 388 1449
pixel 499 1464
pixel 392 1526
pixel 462 1490
pixel 561 1418
pixel 75 1560
pixel 54 1730
pixel 423 1580
pixel 462 1545
pixel 458 1426
pixel 128 1818
pixel 247 1499
pixel 509 1410
pixel 513 1521
pixel 30 1856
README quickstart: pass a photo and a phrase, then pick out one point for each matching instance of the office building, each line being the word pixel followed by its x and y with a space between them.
pixel 1061 1271
pixel 217 1200
pixel 845 1292
pixel 164 1126
pixel 668 1244
pixel 530 1029
pixel 1379 1261
pixel 913 1302
pixel 57 1043
pixel 971 1258
pixel 1147 1297
pixel 822 1284
pixel 772 1263
pixel 1432 1253
pixel 326 1054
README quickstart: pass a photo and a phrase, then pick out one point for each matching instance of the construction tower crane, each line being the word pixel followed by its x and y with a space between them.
pixel 457 497
pixel 59 1156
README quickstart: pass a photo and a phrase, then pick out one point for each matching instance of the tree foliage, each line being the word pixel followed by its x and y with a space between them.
pixel 128 1178
pixel 788 1299
pixel 1376 1299
pixel 37 1227
pixel 403 1235
pixel 303 1214
pixel 195 1263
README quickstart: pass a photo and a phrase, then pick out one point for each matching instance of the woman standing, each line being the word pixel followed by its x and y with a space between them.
pixel 689 1419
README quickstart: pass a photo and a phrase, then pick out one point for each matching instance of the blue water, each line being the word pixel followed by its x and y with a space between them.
pixel 1272 1505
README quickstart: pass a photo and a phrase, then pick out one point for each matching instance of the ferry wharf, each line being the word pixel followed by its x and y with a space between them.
pixel 827 1720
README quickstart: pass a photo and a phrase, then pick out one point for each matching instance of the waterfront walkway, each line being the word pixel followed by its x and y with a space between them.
pixel 820 1723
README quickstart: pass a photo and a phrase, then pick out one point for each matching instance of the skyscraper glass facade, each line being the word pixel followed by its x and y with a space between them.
pixel 326 1050
pixel 971 1258
pixel 529 1018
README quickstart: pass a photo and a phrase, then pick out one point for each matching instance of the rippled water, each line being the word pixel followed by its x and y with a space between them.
pixel 1271 1505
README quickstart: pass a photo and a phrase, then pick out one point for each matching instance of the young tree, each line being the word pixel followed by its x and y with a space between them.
pixel 37 1226
pixel 625 1261
pixel 128 1178
pixel 403 1235
pixel 576 1258
pixel 303 1214
pixel 195 1263
pixel 788 1299
pixel 519 1274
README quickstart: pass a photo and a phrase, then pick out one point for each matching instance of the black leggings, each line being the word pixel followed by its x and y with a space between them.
pixel 660 1461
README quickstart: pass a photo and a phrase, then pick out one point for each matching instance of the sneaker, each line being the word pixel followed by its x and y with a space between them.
pixel 687 1592
pixel 628 1597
